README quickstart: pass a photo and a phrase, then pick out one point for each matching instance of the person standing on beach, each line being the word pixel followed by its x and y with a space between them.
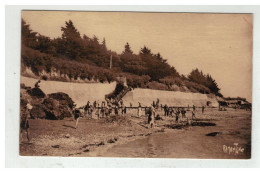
pixel 107 111
pixel 193 112
pixel 151 116
pixel 139 110
pixel 103 106
pixel 122 107
pixel 86 109
pixel 177 114
pixel 116 109
pixel 95 104
pixel 202 109
pixel 25 121
pixel 91 110
pixel 183 112
pixel 76 117
pixel 193 107
pixel 166 110
pixel 171 111
pixel 97 110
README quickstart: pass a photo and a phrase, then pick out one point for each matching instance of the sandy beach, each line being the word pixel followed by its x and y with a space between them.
pixel 129 136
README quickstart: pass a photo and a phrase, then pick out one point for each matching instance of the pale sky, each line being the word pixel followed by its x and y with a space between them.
pixel 218 44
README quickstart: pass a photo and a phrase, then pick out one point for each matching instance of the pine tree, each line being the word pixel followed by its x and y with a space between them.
pixel 145 51
pixel 104 46
pixel 127 49
pixel 28 36
pixel 72 40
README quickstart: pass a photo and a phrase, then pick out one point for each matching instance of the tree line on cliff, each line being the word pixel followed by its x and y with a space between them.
pixel 83 57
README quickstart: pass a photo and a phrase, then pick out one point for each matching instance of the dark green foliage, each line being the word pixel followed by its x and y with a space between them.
pixel 28 36
pixel 205 80
pixel 44 77
pixel 119 88
pixel 135 81
pixel 157 86
pixel 154 63
pixel 71 40
pixel 127 49
pixel 170 81
pixel 36 60
pixel 235 98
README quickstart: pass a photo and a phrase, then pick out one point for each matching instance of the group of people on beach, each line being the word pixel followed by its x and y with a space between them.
pixel 169 112
pixel 105 108
pixel 99 110
pixel 102 109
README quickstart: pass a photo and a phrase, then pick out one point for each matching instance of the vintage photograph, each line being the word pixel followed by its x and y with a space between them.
pixel 136 84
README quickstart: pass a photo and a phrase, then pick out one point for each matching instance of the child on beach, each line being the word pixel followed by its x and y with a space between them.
pixel 139 110
pixel 193 113
pixel 76 117
pixel 151 116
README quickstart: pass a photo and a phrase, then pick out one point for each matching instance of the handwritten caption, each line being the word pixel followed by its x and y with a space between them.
pixel 233 150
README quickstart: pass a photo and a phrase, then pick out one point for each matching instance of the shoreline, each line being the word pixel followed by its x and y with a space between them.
pixel 94 138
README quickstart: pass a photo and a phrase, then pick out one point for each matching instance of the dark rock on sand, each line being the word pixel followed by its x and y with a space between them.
pixel 213 134
pixel 55 146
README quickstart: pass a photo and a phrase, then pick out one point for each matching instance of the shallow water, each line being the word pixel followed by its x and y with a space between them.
pixel 156 145
pixel 188 143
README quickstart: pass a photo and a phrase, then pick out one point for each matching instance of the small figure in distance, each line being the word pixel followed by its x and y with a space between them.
pixel 36 85
pixel 183 112
pixel 25 121
pixel 193 112
pixel 151 116
pixel 76 117
pixel 177 115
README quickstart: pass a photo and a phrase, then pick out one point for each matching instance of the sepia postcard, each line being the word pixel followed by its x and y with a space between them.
pixel 136 84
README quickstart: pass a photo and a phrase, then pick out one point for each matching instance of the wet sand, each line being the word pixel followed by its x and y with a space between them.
pixel 128 136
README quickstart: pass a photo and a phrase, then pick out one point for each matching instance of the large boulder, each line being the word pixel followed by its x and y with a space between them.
pixel 51 109
pixel 26 97
pixel 53 106
pixel 36 92
pixel 58 106
pixel 63 98
pixel 38 112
